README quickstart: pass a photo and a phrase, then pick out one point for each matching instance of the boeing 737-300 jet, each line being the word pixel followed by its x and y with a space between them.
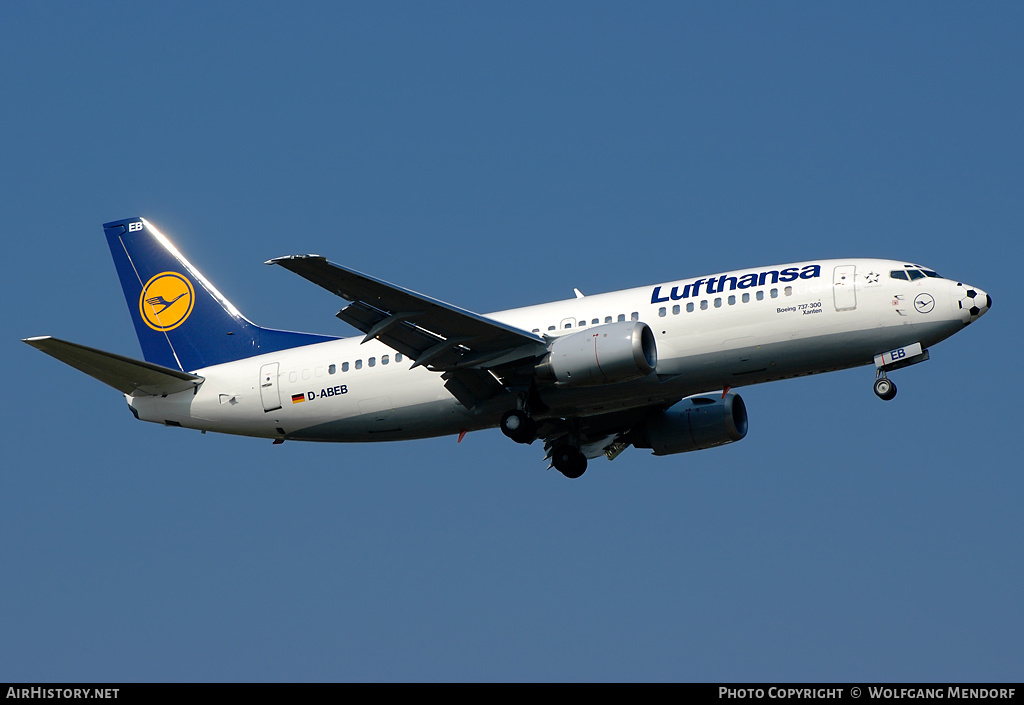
pixel 652 367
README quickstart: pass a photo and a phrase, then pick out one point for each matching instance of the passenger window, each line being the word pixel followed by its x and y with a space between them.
pixel 689 307
pixel 635 316
pixel 607 319
pixel 384 359
pixel 760 296
pixel 746 297
pixel 595 321
pixel 372 361
pixel 535 330
pixel 398 357
pixel 551 327
pixel 568 325
pixel 662 312
pixel 622 317
pixel 732 300
pixel 359 364
pixel 344 367
pixel 704 305
pixel 788 291
pixel 718 302
pixel 675 310
pixel 332 369
pixel 775 293
pixel 583 323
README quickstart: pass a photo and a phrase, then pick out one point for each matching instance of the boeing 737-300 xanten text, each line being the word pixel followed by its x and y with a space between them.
pixel 651 367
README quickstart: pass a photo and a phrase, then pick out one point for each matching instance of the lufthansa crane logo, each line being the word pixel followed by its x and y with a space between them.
pixel 924 303
pixel 166 301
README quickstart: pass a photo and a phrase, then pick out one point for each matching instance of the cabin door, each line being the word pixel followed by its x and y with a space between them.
pixel 843 290
pixel 270 393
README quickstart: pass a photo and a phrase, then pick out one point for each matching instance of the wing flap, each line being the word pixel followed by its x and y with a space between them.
pixel 471 387
pixel 398 333
pixel 122 373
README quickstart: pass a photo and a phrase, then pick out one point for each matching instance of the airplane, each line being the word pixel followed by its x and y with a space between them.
pixel 652 367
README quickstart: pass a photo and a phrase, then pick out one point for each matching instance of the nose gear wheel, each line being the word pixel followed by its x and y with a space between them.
pixel 885 388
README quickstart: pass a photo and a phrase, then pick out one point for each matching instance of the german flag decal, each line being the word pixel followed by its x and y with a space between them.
pixel 296 398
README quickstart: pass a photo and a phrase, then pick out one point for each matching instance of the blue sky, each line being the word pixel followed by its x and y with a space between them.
pixel 494 155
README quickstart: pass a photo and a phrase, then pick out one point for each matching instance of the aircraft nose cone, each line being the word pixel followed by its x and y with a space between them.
pixel 971 301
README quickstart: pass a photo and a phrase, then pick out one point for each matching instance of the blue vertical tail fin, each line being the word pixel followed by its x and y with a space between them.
pixel 181 319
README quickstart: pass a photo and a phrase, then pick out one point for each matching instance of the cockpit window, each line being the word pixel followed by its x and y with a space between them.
pixel 912 273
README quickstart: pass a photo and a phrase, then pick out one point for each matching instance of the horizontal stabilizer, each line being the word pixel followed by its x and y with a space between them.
pixel 122 373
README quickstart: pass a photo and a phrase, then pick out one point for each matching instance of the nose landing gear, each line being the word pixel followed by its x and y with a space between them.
pixel 885 388
pixel 896 359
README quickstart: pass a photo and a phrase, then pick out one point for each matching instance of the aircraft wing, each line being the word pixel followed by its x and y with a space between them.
pixel 432 333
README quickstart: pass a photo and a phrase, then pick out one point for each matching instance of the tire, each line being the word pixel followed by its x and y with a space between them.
pixel 518 426
pixel 885 389
pixel 569 461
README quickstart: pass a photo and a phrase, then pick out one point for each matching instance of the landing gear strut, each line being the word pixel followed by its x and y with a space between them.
pixel 569 461
pixel 885 389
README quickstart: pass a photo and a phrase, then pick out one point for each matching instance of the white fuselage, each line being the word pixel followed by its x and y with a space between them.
pixel 729 330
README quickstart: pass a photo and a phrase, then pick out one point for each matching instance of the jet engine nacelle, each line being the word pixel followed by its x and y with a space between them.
pixel 614 352
pixel 695 423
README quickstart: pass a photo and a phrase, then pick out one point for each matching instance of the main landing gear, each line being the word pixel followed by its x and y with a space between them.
pixel 885 388
pixel 569 461
pixel 518 426
pixel 566 458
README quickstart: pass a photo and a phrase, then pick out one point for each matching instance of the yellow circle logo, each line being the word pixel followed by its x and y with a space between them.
pixel 166 301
